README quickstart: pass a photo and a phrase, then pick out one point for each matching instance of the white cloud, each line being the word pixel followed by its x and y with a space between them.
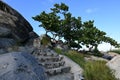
pixel 91 10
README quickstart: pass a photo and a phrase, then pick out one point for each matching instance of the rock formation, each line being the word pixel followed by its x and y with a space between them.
pixel 20 66
pixel 114 65
pixel 14 29
pixel 16 34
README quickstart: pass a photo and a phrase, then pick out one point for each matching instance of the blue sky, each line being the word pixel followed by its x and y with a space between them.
pixel 105 13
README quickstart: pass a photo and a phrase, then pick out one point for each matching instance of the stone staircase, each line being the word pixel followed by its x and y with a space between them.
pixel 51 61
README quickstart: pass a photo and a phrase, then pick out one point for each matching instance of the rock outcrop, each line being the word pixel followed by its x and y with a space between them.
pixel 16 37
pixel 114 65
pixel 14 29
pixel 20 66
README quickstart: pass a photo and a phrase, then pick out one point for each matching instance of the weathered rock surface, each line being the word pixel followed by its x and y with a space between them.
pixel 64 76
pixel 6 42
pixel 20 66
pixel 13 27
pixel 114 65
pixel 112 54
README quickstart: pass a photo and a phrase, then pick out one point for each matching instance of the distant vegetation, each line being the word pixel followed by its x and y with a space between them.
pixel 60 23
pixel 116 51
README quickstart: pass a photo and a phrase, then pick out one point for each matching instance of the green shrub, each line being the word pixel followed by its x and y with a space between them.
pixel 57 50
pixel 97 70
pixel 45 40
pixel 96 52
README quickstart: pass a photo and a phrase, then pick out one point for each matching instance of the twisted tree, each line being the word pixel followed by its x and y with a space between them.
pixel 76 33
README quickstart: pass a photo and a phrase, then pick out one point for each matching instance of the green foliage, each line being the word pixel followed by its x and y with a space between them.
pixel 93 70
pixel 52 22
pixel 97 70
pixel 96 52
pixel 111 41
pixel 92 36
pixel 57 50
pixel 45 40
pixel 76 57
pixel 76 33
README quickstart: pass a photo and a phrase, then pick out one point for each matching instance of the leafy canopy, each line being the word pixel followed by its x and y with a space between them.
pixel 61 23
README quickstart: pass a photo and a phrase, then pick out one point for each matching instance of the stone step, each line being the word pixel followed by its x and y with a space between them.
pixel 51 61
pixel 54 71
pixel 40 52
pixel 48 58
pixel 45 54
pixel 50 65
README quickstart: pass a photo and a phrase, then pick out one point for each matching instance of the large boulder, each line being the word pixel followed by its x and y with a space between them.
pixel 20 66
pixel 14 28
pixel 114 65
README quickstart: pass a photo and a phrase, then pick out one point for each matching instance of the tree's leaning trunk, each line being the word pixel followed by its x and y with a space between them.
pixel 90 49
